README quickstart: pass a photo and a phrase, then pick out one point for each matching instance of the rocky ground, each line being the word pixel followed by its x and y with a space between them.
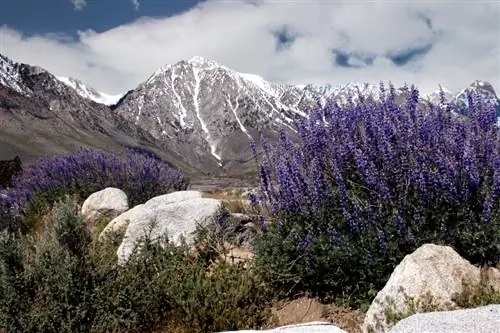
pixel 306 309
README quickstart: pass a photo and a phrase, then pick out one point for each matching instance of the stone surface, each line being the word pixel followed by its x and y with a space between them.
pixel 121 222
pixel 484 319
pixel 312 327
pixel 494 278
pixel 107 203
pixel 175 215
pixel 432 272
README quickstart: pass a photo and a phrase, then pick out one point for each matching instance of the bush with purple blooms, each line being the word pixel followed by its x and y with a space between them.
pixel 370 182
pixel 84 172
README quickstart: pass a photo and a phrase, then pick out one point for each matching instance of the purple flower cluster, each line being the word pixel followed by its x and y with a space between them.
pixel 86 171
pixel 388 167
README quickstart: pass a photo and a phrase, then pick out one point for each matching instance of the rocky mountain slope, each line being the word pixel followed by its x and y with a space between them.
pixel 198 114
pixel 208 112
pixel 40 115
pixel 88 92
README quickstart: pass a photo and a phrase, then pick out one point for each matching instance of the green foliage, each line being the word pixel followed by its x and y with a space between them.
pixel 349 270
pixel 46 279
pixel 59 280
pixel 226 298
pixel 345 267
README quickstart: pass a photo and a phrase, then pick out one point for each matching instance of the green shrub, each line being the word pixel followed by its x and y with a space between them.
pixel 47 278
pixel 59 280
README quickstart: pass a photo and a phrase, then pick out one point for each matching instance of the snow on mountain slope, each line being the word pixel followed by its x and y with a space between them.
pixel 197 110
pixel 217 110
pixel 90 93
pixel 10 76
pixel 435 96
pixel 259 82
pixel 484 89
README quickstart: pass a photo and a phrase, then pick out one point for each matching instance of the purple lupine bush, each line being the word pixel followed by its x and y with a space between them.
pixel 367 183
pixel 86 171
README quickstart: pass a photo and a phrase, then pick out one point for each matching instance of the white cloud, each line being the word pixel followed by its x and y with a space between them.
pixel 79 4
pixel 239 34
pixel 136 4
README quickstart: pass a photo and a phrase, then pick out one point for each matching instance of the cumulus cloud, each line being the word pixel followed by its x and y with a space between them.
pixel 294 42
pixel 79 4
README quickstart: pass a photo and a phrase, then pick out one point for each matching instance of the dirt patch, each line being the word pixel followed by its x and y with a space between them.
pixel 306 309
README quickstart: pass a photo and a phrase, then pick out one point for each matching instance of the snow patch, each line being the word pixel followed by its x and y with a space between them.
pixel 90 93
pixel 10 77
pixel 204 127
pixel 182 109
pixel 259 82
pixel 279 121
pixel 140 104
pixel 236 115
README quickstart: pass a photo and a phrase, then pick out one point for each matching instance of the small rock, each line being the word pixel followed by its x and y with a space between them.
pixel 237 255
pixel 242 218
pixel 108 203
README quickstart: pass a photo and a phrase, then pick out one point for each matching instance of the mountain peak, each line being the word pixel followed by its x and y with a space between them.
pixel 198 60
pixel 195 62
pixel 478 84
pixel 5 59
pixel 9 74
pixel 88 92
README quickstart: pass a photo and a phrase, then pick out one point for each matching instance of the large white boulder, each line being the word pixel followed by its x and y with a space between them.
pixel 108 203
pixel 121 222
pixel 174 215
pixel 430 275
pixel 312 327
pixel 485 319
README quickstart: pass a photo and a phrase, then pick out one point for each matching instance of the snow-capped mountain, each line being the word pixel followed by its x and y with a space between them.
pixel 218 110
pixel 482 89
pixel 435 96
pixel 13 75
pixel 9 74
pixel 478 88
pixel 40 115
pixel 89 92
pixel 197 113
pixel 23 78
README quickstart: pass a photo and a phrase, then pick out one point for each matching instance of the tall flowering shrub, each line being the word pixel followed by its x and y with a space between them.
pixel 368 183
pixel 85 172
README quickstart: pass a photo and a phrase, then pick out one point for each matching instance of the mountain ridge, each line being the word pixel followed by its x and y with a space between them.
pixel 196 113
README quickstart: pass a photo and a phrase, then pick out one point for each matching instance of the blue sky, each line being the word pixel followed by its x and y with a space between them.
pixel 68 17
pixel 113 45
